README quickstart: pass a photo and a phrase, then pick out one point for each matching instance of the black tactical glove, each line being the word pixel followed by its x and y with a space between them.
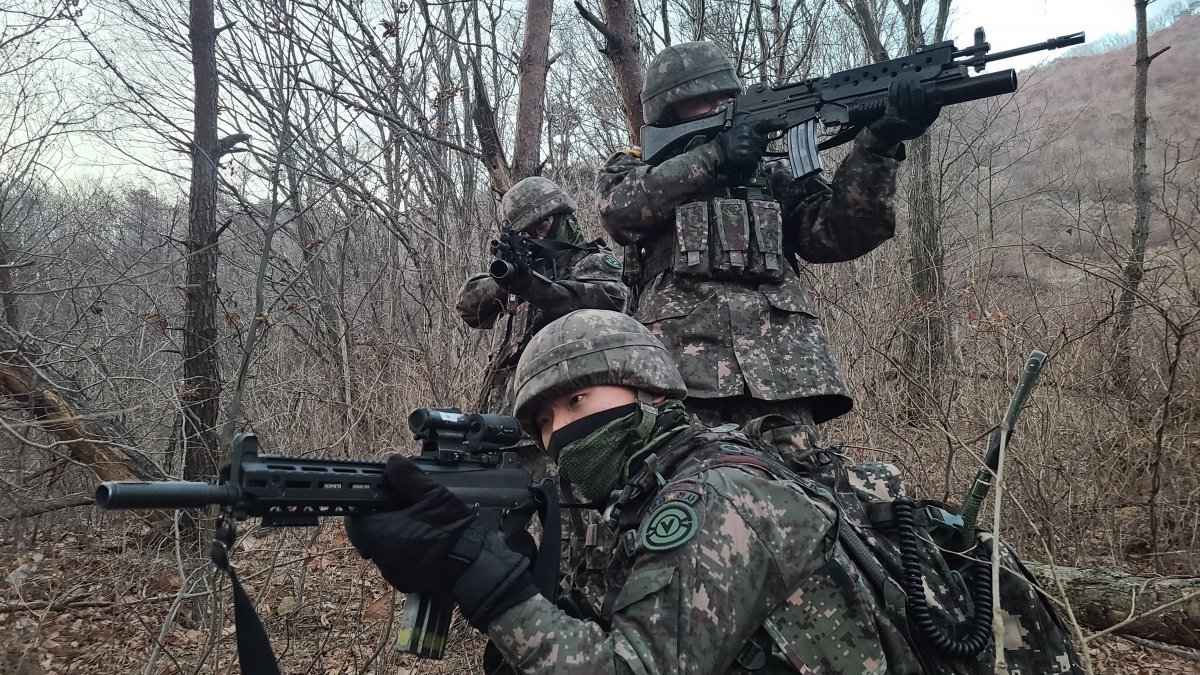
pixel 513 253
pixel 910 110
pixel 432 544
pixel 411 546
pixel 739 149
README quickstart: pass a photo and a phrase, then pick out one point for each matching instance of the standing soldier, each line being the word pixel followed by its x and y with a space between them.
pixel 551 273
pixel 712 237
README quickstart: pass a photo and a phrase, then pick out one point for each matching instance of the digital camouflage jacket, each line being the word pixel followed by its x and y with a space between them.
pixel 735 565
pixel 584 277
pixel 732 338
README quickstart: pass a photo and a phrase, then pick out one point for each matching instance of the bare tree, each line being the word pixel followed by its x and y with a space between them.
pixel 1134 269
pixel 200 391
pixel 623 49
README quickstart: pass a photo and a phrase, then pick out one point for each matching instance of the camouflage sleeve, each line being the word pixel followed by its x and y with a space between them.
pixel 480 301
pixel 637 200
pixel 594 283
pixel 833 223
pixel 706 569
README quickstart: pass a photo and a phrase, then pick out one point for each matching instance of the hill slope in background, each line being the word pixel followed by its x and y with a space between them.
pixel 1091 97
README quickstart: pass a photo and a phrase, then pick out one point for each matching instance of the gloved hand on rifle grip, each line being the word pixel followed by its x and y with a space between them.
pixel 432 544
pixel 911 108
pixel 411 545
pixel 740 148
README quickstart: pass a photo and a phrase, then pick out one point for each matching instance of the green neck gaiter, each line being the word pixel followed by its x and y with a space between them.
pixel 597 464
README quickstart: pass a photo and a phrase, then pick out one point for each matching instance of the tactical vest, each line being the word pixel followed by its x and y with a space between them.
pixel 732 239
pixel 873 516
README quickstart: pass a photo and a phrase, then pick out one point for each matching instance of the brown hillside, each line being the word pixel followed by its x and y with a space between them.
pixel 1096 91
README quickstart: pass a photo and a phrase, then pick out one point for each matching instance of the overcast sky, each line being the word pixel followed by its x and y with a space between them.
pixel 1015 23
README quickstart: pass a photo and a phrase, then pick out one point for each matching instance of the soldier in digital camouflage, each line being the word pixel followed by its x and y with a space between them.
pixel 723 559
pixel 562 273
pixel 712 237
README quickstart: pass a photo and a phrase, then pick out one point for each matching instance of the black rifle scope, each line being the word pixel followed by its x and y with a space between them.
pixel 482 432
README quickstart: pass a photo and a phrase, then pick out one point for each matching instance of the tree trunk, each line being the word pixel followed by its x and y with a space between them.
pixel 59 407
pixel 199 393
pixel 925 343
pixel 925 337
pixel 1134 267
pixel 6 286
pixel 531 100
pixel 483 115
pixel 1101 599
pixel 623 49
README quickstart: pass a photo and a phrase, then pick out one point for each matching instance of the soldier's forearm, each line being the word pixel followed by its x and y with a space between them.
pixel 569 296
pixel 856 214
pixel 537 637
pixel 637 200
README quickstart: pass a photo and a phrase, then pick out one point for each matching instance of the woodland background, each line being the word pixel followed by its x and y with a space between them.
pixel 315 180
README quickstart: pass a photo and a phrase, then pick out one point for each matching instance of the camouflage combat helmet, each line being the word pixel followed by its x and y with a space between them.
pixel 533 200
pixel 684 71
pixel 591 347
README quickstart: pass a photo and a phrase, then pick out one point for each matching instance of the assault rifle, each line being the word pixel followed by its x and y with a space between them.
pixel 510 247
pixel 849 100
pixel 465 453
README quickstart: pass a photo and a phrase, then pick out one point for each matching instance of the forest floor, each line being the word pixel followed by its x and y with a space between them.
pixel 96 600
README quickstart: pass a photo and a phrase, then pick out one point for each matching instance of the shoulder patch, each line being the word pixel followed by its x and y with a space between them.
pixel 611 261
pixel 672 521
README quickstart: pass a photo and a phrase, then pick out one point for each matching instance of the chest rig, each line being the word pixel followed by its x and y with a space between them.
pixel 736 237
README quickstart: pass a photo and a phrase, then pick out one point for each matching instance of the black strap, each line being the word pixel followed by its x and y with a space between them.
pixel 844 136
pixel 545 565
pixel 254 648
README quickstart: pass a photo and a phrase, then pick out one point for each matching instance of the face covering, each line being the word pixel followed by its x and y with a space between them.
pixel 594 453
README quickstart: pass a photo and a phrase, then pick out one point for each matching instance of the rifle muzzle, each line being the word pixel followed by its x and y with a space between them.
pixel 502 269
pixel 124 494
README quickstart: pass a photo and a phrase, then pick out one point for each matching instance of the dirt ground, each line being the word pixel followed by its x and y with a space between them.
pixel 96 601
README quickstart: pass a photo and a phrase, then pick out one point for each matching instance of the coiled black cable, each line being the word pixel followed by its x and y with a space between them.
pixel 976 631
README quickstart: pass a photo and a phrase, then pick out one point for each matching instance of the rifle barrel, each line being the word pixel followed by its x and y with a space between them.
pixel 162 495
pixel 1052 43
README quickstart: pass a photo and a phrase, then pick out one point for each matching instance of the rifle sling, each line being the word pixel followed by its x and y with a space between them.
pixel 545 565
pixel 254 648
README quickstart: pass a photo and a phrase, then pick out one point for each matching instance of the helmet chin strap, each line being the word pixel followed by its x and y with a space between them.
pixel 649 415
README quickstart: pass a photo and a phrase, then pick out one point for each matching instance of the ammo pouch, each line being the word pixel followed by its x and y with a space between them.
pixel 729 239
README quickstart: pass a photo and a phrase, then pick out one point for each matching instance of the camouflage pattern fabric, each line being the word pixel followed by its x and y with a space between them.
pixel 694 604
pixel 760 582
pixel 532 200
pixel 749 340
pixel 589 277
pixel 684 71
pixel 590 348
